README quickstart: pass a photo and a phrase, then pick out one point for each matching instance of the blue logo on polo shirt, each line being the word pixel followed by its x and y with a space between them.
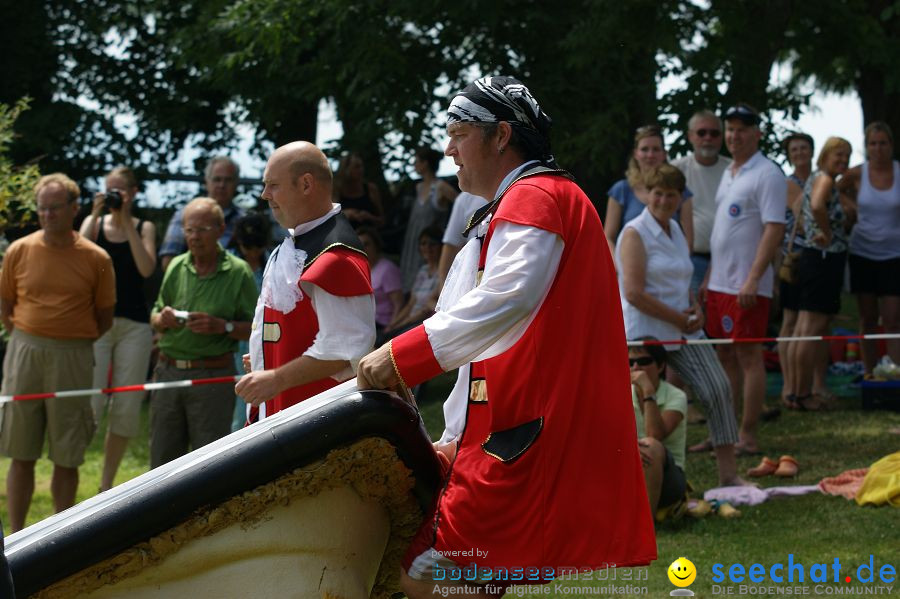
pixel 727 324
pixel 734 211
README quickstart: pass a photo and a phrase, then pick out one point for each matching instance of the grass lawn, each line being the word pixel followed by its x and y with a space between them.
pixel 814 528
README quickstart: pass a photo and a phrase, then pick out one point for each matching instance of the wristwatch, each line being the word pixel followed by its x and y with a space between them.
pixel 229 327
pixel 650 398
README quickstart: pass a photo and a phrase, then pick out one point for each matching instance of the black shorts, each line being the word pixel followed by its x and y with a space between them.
pixel 674 483
pixel 876 277
pixel 788 295
pixel 820 276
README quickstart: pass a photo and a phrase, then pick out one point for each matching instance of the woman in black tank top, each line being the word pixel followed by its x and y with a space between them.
pixel 131 243
pixel 360 201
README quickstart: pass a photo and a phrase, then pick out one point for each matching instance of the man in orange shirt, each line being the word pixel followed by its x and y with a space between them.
pixel 57 295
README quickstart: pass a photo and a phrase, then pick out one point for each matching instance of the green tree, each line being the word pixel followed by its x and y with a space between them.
pixel 189 71
pixel 16 182
pixel 852 45
pixel 727 58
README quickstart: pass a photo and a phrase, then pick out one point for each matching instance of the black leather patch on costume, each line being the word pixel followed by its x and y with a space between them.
pixel 508 445
pixel 336 231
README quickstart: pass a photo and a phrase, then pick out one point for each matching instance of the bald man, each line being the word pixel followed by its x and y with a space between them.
pixel 315 317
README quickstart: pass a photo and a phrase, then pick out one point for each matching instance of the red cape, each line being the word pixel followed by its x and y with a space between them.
pixel 548 472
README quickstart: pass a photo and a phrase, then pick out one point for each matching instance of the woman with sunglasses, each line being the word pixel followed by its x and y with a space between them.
pixel 659 410
pixel 628 196
pixel 654 268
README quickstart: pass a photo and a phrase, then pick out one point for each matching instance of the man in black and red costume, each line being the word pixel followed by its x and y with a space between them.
pixel 544 472
pixel 315 317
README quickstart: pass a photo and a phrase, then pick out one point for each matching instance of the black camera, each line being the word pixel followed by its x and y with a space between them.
pixel 113 199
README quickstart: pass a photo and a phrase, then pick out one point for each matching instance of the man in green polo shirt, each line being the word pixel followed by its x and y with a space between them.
pixel 204 307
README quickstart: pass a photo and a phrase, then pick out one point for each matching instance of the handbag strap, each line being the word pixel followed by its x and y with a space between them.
pixel 797 220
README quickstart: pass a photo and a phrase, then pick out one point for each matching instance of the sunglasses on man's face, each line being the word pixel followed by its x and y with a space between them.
pixel 642 361
pixel 714 133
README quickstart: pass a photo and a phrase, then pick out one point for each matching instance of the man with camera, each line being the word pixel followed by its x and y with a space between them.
pixel 57 294
pixel 204 307
pixel 221 177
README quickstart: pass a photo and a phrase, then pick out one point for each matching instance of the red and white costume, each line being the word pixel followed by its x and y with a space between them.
pixel 330 310
pixel 547 472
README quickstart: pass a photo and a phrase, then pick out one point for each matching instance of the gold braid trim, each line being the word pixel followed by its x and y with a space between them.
pixel 309 262
pixel 397 370
pixel 370 467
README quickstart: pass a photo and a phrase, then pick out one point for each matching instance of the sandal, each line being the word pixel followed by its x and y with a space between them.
pixel 766 467
pixel 825 396
pixel 790 402
pixel 787 467
pixel 769 414
pixel 810 403
pixel 701 447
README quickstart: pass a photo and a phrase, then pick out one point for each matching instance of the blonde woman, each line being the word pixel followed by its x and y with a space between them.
pixel 819 271
pixel 627 197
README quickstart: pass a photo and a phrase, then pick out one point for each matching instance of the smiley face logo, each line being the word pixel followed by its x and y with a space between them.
pixel 682 572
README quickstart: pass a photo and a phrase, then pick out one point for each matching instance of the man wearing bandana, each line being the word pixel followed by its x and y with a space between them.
pixel 315 317
pixel 544 472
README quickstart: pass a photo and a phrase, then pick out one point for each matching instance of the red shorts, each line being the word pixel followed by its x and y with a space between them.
pixel 725 319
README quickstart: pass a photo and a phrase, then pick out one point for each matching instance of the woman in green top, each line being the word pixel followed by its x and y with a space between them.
pixel 659 410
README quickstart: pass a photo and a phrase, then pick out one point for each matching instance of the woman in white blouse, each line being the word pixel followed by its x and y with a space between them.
pixel 654 267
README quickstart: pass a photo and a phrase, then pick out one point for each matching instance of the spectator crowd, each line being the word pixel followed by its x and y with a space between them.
pixel 705 245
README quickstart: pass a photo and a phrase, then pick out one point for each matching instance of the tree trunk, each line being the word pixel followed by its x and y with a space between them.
pixel 877 105
pixel 300 122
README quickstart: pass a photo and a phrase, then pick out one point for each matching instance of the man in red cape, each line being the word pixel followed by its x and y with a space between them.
pixel 315 317
pixel 545 477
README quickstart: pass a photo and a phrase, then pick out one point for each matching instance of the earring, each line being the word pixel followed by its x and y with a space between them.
pixel 500 149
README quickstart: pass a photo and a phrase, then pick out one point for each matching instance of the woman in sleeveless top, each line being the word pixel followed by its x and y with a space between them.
pixel 819 270
pixel 360 201
pixel 875 243
pixel 430 208
pixel 654 266
pixel 800 149
pixel 131 243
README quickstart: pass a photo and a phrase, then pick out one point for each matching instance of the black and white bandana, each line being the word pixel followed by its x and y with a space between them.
pixel 496 99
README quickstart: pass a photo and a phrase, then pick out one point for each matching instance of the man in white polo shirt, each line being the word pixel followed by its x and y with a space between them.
pixel 748 228
pixel 703 170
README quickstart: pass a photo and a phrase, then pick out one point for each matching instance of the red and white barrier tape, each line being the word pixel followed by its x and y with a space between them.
pixel 125 389
pixel 870 337
pixel 235 378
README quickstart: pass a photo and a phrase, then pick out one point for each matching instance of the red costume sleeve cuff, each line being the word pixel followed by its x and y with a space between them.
pixel 413 357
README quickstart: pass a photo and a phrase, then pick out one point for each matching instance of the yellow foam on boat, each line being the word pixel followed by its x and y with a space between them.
pixel 335 528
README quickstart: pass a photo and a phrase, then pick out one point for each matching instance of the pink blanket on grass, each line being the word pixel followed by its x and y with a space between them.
pixel 845 484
